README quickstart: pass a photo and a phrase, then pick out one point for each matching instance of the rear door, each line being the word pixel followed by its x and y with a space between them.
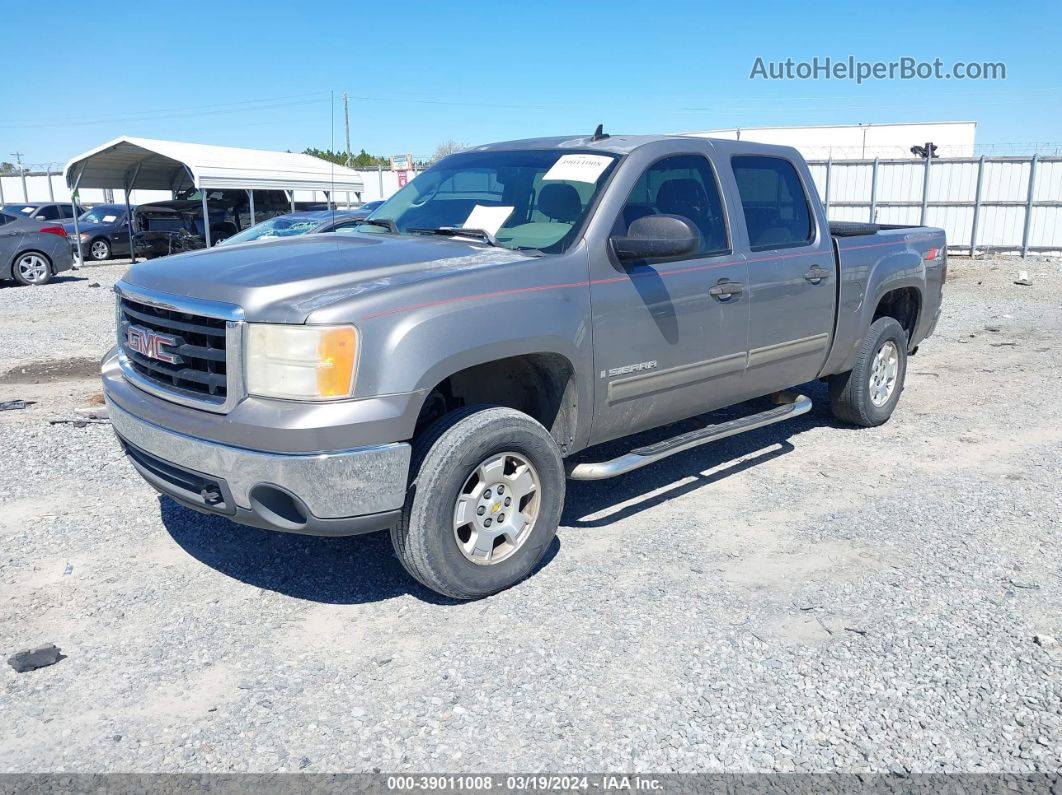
pixel 792 274
pixel 665 347
pixel 10 237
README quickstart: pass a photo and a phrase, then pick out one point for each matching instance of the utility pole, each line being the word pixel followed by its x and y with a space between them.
pixel 346 123
pixel 22 173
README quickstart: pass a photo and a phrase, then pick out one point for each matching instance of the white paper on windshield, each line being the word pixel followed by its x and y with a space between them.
pixel 578 168
pixel 109 218
pixel 489 219
pixel 28 210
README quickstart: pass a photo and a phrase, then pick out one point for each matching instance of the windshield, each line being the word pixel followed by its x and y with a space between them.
pixel 531 199
pixel 281 226
pixel 104 214
pixel 20 209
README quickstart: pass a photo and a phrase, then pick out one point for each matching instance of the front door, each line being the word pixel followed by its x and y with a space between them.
pixel 792 275
pixel 669 337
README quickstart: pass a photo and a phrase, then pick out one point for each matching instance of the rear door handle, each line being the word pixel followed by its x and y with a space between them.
pixel 726 289
pixel 816 274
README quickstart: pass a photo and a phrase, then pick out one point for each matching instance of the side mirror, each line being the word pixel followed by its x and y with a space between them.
pixel 657 237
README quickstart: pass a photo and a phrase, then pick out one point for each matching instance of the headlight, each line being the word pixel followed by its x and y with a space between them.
pixel 301 362
pixel 84 237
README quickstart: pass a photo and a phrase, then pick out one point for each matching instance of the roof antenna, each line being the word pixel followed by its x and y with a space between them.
pixel 599 133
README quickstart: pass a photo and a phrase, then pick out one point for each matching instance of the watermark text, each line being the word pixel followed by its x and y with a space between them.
pixel 851 68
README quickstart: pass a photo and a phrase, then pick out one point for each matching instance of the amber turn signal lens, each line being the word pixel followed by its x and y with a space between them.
pixel 338 351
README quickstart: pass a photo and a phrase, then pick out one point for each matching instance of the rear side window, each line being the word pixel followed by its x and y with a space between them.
pixel 774 202
pixel 683 185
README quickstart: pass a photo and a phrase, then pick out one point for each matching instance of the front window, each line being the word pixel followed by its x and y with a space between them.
pixel 682 185
pixel 273 228
pixel 531 199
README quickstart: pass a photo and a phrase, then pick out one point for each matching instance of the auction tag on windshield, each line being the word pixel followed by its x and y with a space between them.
pixel 109 218
pixel 578 168
pixel 489 219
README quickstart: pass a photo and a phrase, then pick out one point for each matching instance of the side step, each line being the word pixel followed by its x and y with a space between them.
pixel 794 406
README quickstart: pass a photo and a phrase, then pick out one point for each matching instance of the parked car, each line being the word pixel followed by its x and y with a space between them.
pixel 175 226
pixel 104 232
pixel 42 211
pixel 303 223
pixel 32 251
pixel 508 308
pixel 368 207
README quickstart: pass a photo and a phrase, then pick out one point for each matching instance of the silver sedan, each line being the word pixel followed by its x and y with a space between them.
pixel 32 251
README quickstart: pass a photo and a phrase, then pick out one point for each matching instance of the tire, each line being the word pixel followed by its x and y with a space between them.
pixel 32 268
pixel 99 250
pixel 868 393
pixel 221 233
pixel 432 540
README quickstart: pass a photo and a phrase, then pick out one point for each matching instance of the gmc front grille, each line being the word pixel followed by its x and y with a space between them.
pixel 181 349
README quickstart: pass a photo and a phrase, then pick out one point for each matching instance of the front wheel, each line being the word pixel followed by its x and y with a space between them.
pixel 32 267
pixel 868 393
pixel 485 499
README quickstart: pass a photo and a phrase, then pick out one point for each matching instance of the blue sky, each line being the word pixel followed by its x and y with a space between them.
pixel 259 74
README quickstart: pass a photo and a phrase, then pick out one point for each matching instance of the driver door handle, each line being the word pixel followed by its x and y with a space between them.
pixel 726 289
pixel 816 274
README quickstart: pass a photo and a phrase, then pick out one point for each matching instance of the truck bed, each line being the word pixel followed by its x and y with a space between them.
pixel 884 258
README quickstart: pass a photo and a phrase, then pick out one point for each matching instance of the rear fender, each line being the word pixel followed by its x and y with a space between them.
pixel 862 287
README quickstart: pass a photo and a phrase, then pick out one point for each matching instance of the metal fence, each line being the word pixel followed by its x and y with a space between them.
pixel 985 204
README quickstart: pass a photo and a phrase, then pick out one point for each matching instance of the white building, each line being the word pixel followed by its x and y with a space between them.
pixel 860 141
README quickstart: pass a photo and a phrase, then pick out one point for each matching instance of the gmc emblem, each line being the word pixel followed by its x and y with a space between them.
pixel 149 343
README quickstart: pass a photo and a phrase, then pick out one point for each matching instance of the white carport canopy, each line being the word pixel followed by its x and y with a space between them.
pixel 151 164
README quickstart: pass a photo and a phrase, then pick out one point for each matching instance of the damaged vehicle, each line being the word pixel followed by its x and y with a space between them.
pixel 176 226
pixel 442 371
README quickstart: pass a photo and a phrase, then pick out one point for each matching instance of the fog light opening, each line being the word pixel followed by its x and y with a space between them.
pixel 278 507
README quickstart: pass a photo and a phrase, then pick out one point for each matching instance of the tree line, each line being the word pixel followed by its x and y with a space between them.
pixel 364 160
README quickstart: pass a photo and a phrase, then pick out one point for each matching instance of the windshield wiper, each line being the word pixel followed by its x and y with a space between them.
pixel 386 223
pixel 460 231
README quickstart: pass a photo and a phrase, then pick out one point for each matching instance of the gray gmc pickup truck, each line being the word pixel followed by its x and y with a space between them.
pixel 513 305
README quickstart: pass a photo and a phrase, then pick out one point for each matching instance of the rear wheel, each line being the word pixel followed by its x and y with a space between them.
pixel 32 267
pixel 485 499
pixel 868 393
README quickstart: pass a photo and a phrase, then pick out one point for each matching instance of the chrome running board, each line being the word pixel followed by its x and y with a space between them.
pixel 794 406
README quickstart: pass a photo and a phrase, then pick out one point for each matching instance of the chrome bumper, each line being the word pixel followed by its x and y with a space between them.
pixel 329 485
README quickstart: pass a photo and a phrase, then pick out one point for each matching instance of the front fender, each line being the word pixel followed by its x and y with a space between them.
pixel 434 331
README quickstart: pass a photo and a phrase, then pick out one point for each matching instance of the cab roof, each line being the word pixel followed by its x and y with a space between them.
pixel 615 144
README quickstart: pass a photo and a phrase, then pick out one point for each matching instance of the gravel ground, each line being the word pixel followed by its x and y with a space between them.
pixel 806 597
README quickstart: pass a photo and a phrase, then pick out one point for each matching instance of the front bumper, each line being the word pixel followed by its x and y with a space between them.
pixel 338 493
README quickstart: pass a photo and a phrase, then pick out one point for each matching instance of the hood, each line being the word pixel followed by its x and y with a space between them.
pixel 283 281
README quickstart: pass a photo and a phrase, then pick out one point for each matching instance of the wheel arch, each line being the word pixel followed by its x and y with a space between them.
pixel 541 384
pixel 904 304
